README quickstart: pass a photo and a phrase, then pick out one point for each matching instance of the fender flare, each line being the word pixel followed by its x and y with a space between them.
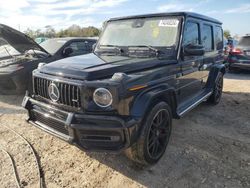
pixel 142 102
pixel 214 71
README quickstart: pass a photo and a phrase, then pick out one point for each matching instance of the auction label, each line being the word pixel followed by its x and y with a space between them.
pixel 169 23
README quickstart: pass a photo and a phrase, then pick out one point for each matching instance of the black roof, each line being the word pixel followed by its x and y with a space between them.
pixel 185 14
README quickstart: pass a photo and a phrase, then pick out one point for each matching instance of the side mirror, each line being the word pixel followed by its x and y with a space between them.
pixel 67 51
pixel 93 47
pixel 194 50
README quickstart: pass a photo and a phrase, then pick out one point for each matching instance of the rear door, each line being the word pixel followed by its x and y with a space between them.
pixel 211 55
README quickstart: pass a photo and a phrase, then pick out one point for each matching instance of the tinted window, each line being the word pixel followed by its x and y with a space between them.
pixel 245 41
pixel 81 47
pixel 207 39
pixel 191 34
pixel 218 38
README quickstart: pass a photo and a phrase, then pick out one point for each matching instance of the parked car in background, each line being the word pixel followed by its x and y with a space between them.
pixel 239 56
pixel 145 70
pixel 225 49
pixel 40 39
pixel 231 43
pixel 20 55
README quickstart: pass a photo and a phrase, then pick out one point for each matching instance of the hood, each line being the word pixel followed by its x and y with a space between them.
pixel 18 40
pixel 93 67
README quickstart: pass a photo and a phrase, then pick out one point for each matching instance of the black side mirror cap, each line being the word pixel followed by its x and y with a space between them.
pixel 194 50
pixel 67 51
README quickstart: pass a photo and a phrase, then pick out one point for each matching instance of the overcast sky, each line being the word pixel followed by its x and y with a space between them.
pixel 35 14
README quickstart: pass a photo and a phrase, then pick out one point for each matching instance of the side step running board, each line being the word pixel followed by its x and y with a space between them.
pixel 192 106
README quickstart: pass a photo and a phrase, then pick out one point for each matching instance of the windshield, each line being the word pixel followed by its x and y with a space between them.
pixel 7 50
pixel 157 32
pixel 53 45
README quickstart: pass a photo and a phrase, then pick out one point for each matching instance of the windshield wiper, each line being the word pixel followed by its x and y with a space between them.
pixel 108 48
pixel 155 50
pixel 149 47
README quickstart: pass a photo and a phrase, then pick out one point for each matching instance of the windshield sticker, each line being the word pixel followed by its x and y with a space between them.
pixel 169 23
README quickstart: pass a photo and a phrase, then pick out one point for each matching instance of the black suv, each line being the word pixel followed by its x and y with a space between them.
pixel 145 70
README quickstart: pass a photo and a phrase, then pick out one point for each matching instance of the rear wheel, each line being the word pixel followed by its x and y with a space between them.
pixel 155 135
pixel 217 92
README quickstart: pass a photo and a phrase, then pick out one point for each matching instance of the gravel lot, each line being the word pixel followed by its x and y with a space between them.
pixel 209 147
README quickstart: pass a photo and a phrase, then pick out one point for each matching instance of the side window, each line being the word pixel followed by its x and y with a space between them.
pixel 79 48
pixel 218 38
pixel 207 38
pixel 191 33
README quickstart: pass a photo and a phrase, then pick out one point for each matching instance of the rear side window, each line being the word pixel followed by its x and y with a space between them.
pixel 191 34
pixel 218 38
pixel 244 41
pixel 207 38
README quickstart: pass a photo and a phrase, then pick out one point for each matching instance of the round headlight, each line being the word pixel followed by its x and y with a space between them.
pixel 102 97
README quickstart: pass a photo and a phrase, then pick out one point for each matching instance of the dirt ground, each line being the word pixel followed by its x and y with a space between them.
pixel 209 147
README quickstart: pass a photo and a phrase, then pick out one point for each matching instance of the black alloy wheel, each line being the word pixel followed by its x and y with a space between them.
pixel 159 134
pixel 154 135
pixel 218 89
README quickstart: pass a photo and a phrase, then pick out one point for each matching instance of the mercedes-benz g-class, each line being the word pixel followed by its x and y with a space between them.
pixel 145 70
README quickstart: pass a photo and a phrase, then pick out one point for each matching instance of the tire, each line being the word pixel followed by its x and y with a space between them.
pixel 217 91
pixel 154 137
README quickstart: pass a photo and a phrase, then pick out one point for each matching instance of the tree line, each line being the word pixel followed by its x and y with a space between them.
pixel 72 31
pixel 75 31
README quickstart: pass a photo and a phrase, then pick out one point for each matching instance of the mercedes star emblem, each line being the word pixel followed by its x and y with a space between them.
pixel 54 93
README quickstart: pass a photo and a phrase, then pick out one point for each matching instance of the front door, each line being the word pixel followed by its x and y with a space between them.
pixel 190 82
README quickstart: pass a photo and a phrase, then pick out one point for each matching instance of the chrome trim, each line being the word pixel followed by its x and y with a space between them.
pixel 195 104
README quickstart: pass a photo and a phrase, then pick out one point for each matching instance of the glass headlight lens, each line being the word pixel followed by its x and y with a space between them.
pixel 102 97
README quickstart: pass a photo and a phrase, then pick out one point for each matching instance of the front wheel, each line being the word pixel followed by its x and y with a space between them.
pixel 217 92
pixel 155 135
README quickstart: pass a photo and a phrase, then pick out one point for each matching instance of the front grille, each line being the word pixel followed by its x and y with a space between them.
pixel 56 125
pixel 69 94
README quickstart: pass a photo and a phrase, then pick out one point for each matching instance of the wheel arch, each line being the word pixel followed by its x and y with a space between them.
pixel 213 74
pixel 142 103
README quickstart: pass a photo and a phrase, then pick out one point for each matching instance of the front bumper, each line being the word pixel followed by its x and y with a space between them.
pixel 88 132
